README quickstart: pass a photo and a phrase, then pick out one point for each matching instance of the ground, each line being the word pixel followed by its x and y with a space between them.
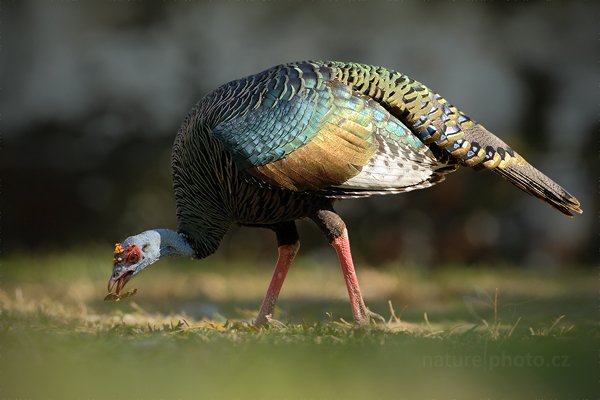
pixel 464 332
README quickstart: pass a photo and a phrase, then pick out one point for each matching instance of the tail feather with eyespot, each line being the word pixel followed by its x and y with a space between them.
pixel 479 148
pixel 454 137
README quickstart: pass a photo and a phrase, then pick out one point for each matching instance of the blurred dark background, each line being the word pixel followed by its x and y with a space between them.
pixel 93 93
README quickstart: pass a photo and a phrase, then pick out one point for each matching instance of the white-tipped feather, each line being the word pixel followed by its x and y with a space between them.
pixel 389 169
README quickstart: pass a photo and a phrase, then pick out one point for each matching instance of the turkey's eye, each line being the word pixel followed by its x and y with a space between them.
pixel 132 258
pixel 145 247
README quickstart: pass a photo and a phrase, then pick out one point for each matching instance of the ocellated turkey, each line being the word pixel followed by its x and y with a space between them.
pixel 287 143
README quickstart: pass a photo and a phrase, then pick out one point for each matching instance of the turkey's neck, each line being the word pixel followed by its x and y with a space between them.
pixel 174 244
pixel 204 182
pixel 204 236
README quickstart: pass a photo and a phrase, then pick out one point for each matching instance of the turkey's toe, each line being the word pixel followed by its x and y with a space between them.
pixel 372 318
pixel 263 319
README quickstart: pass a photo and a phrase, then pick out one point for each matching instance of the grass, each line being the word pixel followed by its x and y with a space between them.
pixel 455 332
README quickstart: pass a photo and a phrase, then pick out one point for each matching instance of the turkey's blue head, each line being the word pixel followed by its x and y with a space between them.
pixel 133 255
pixel 138 252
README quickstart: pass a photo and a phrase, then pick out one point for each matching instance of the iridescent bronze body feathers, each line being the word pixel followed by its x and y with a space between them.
pixel 281 144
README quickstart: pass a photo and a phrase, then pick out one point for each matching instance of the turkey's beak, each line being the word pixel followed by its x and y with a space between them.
pixel 111 283
pixel 120 281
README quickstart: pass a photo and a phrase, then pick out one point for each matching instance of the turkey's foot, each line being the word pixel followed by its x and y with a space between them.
pixel 369 317
pixel 262 320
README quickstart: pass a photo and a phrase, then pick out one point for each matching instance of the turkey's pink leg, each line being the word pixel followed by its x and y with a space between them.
pixel 361 313
pixel 332 225
pixel 287 253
